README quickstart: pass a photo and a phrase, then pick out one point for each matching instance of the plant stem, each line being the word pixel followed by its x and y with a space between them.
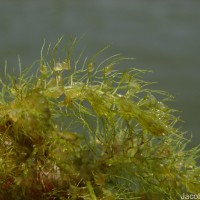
pixel 91 191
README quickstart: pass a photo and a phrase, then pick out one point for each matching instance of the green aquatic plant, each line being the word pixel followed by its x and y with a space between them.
pixel 81 129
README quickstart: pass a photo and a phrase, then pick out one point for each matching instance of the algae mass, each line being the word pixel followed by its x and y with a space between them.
pixel 78 128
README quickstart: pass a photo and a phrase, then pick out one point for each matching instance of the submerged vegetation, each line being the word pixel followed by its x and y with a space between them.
pixel 79 129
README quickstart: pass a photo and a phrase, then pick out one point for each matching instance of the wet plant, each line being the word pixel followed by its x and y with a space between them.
pixel 78 128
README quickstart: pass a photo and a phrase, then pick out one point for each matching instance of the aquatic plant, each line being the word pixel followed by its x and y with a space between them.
pixel 81 129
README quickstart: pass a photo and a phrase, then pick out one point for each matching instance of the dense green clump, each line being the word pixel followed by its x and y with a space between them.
pixel 88 131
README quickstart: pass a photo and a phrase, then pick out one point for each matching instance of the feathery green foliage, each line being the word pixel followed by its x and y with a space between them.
pixel 77 129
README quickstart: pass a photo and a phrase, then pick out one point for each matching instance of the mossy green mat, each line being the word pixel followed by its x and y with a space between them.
pixel 81 129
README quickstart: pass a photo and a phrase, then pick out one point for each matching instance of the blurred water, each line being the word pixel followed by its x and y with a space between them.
pixel 164 36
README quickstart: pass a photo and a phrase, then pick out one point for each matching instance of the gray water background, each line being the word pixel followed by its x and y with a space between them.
pixel 163 36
